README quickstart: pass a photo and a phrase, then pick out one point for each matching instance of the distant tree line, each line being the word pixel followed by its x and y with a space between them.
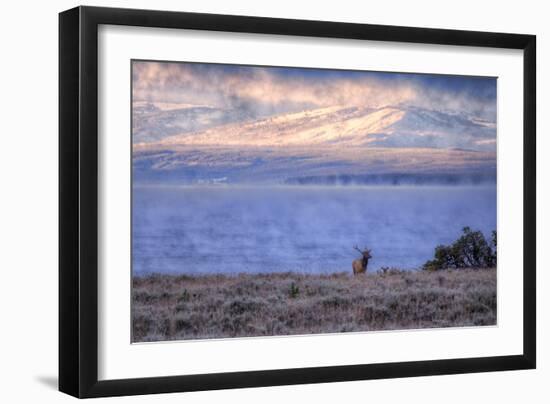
pixel 471 250
pixel 396 179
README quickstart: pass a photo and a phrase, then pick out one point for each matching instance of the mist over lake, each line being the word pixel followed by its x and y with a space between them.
pixel 306 229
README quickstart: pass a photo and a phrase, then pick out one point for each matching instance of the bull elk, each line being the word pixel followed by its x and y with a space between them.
pixel 360 265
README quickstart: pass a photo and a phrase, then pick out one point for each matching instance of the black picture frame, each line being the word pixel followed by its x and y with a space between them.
pixel 78 201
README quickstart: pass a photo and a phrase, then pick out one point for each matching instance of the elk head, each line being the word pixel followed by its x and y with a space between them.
pixel 359 266
pixel 365 252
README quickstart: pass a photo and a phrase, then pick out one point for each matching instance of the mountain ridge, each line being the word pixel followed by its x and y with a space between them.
pixel 321 142
pixel 390 126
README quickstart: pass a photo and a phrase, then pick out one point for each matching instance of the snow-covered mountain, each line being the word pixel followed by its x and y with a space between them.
pixel 350 126
pixel 332 141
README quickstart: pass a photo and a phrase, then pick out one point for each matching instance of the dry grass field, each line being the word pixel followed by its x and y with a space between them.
pixel 167 307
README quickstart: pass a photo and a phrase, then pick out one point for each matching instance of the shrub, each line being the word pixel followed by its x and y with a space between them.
pixel 294 290
pixel 471 250
pixel 185 296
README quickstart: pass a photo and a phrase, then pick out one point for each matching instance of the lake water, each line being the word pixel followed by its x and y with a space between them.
pixel 222 229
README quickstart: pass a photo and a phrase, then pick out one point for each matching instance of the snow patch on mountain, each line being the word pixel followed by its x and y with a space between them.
pixel 152 122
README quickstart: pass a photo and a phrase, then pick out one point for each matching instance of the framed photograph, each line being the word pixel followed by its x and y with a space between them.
pixel 250 201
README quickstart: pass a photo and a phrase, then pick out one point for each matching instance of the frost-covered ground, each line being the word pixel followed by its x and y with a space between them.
pixel 275 165
pixel 216 306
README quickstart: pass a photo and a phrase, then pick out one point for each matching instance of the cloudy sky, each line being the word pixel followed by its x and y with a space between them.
pixel 274 90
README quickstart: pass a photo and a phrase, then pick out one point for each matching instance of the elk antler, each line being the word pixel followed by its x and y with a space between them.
pixel 357 248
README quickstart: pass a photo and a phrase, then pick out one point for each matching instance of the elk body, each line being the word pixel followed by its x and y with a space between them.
pixel 360 265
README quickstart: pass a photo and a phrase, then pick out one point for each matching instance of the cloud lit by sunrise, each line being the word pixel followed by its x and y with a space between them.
pixel 270 90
